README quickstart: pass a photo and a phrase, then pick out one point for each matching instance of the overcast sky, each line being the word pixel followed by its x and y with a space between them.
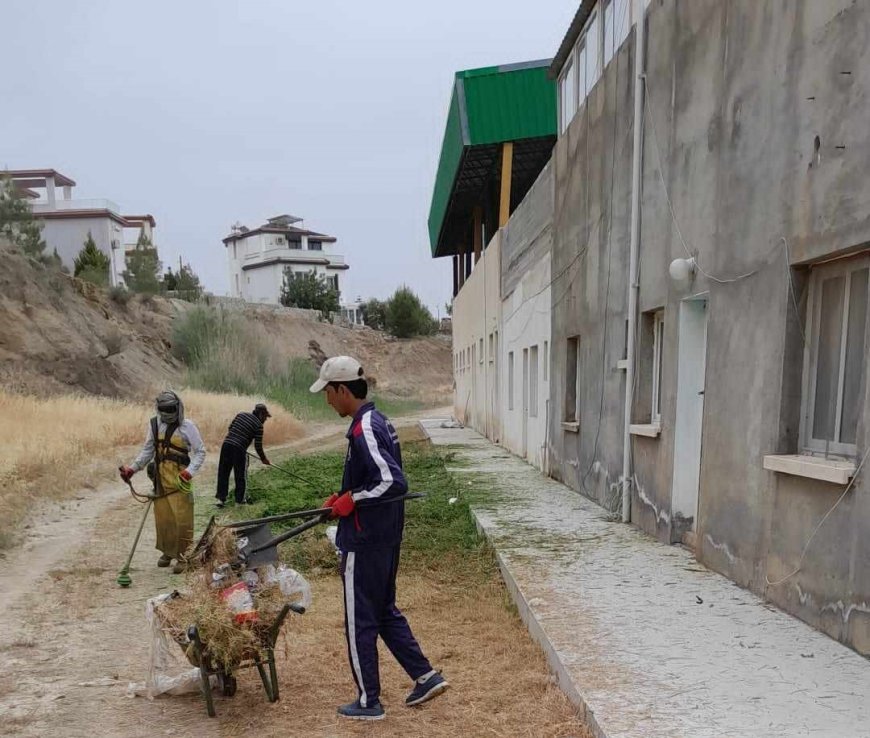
pixel 205 112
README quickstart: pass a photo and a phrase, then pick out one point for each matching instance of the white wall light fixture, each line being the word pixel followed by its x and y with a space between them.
pixel 682 272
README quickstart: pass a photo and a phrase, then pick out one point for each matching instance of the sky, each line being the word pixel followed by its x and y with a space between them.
pixel 208 112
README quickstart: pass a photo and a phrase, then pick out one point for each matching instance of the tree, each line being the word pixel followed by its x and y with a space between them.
pixel 187 284
pixel 310 291
pixel 374 314
pixel 17 223
pixel 448 308
pixel 143 266
pixel 407 316
pixel 92 265
pixel 170 281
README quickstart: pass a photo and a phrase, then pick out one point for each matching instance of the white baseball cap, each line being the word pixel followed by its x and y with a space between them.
pixel 338 369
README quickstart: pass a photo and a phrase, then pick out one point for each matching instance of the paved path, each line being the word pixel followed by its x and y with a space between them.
pixel 644 639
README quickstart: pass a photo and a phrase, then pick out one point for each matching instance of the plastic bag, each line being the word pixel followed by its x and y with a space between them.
pixel 164 658
pixel 331 533
pixel 239 602
pixel 292 584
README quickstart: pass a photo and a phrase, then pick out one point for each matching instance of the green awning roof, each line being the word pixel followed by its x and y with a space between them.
pixel 488 107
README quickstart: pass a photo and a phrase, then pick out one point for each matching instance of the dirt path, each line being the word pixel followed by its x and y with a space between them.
pixel 71 641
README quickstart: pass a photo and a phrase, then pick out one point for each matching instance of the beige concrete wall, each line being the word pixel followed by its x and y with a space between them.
pixel 476 322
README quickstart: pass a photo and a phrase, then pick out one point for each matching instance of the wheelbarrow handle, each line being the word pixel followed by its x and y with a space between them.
pixel 316 512
pixel 322 515
pixel 274 518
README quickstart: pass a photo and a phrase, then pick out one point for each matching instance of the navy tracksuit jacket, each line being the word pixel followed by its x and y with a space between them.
pixel 369 539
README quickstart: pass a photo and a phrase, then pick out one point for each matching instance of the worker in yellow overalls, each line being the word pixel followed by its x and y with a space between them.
pixel 175 452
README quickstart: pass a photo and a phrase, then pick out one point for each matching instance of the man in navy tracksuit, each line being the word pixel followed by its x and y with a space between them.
pixel 369 537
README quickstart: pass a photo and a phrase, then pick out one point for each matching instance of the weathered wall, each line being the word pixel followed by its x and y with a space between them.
pixel 476 314
pixel 738 91
pixel 68 237
pixel 525 278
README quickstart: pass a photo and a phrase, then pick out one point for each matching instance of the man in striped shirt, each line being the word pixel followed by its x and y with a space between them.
pixel 245 428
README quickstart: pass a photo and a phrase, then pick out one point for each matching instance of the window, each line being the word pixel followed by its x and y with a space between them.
pixel 533 382
pixel 836 352
pixel 617 22
pixel 658 352
pixel 593 56
pixel 567 95
pixel 491 348
pixel 332 280
pixel 510 380
pixel 546 366
pixel 315 245
pixel 480 352
pixel 572 381
pixel 580 55
pixel 294 242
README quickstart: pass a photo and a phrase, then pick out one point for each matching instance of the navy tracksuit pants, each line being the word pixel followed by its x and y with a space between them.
pixel 369 578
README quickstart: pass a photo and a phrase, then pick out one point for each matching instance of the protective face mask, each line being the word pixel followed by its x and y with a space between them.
pixel 168 417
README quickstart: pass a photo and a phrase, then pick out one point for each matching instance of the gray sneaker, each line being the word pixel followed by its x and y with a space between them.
pixel 421 693
pixel 355 712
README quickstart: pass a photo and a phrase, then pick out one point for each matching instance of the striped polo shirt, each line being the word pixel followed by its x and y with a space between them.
pixel 246 427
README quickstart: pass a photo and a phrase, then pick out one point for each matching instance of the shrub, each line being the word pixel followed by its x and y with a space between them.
pixel 310 291
pixel 143 268
pixel 92 265
pixel 120 295
pixel 374 314
pixel 407 316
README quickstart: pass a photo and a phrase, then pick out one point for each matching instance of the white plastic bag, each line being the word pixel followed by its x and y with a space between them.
pixel 292 584
pixel 164 662
pixel 331 533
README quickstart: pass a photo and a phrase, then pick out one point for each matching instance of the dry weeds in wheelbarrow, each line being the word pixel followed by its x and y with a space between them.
pixel 201 604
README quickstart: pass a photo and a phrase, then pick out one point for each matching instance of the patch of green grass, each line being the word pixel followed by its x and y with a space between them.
pixel 440 539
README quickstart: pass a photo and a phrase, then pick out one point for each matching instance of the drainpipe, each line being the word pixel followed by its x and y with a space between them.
pixel 633 286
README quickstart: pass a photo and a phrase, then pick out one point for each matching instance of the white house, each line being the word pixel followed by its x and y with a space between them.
pixel 66 221
pixel 258 258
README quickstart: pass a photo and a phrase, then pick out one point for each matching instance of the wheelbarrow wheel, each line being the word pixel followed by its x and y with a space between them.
pixel 228 685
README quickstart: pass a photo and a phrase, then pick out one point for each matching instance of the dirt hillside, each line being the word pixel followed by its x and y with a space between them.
pixel 58 334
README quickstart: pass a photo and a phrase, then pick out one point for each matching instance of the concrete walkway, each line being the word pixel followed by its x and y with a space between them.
pixel 646 641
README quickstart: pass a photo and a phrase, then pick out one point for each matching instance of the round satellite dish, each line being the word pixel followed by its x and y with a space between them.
pixel 682 271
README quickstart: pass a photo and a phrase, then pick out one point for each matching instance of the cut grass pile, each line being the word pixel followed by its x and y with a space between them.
pixel 53 445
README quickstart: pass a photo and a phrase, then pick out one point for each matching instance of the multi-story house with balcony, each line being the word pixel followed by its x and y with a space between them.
pixel 259 257
pixel 66 221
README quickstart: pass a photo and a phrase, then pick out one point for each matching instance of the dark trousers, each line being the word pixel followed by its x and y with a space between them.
pixel 233 459
pixel 369 579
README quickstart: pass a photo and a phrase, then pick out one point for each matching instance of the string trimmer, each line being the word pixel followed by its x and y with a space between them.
pixel 124 579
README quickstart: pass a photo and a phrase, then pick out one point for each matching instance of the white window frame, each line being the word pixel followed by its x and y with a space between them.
pixel 564 117
pixel 845 268
pixel 658 356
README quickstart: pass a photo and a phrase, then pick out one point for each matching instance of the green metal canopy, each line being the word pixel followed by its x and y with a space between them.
pixel 490 106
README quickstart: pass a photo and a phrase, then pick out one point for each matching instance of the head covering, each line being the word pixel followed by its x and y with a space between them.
pixel 170 409
pixel 261 409
pixel 338 369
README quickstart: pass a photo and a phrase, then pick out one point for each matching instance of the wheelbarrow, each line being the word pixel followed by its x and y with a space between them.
pixel 262 657
pixel 256 548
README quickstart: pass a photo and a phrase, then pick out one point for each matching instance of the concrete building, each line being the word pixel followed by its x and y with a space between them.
pixel 750 415
pixel 66 220
pixel 500 130
pixel 258 258
pixel 750 411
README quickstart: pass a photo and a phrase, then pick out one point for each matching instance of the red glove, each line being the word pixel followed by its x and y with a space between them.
pixel 127 473
pixel 328 502
pixel 343 506
pixel 186 475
